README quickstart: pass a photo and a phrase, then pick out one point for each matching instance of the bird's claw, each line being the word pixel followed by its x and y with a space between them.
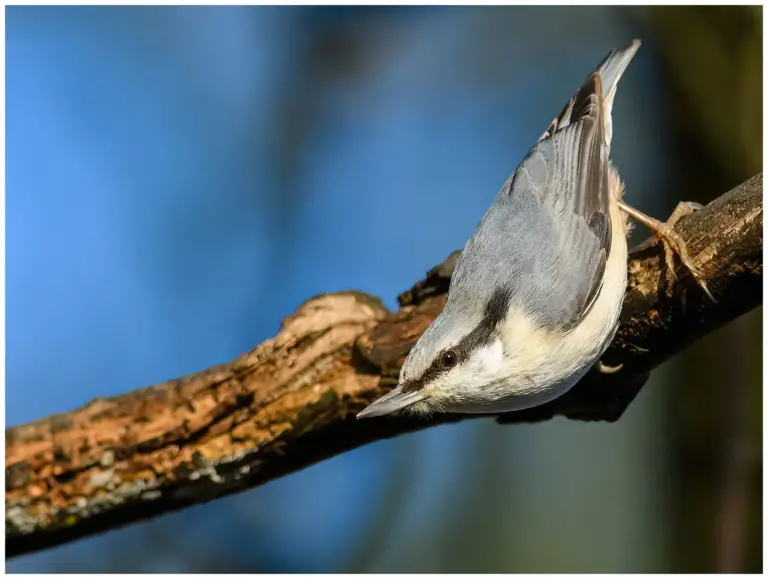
pixel 604 369
pixel 672 241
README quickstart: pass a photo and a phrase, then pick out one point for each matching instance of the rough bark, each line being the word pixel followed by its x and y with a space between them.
pixel 292 400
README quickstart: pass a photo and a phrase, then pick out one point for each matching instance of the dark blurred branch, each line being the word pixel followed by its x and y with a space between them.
pixel 710 59
pixel 729 40
pixel 739 460
pixel 292 400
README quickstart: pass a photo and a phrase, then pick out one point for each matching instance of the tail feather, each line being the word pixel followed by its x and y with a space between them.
pixel 610 70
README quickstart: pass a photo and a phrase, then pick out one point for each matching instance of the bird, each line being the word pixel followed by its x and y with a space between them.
pixel 535 297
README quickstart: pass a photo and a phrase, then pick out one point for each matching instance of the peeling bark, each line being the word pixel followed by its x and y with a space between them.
pixel 292 400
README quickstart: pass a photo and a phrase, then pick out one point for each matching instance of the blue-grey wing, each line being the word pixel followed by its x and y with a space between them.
pixel 547 237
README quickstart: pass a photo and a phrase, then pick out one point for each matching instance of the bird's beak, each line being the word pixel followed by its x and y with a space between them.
pixel 391 402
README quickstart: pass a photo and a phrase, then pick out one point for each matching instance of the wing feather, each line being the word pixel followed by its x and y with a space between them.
pixel 549 230
pixel 567 172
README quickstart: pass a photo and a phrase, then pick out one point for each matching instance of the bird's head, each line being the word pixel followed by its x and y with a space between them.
pixel 461 362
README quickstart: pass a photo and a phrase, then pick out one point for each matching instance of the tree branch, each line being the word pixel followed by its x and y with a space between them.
pixel 292 400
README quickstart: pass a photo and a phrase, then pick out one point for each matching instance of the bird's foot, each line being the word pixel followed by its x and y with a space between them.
pixel 672 240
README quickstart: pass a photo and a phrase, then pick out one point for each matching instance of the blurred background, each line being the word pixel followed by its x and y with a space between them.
pixel 179 179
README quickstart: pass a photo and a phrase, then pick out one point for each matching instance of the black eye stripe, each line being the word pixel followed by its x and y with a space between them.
pixel 418 383
pixel 436 369
pixel 495 311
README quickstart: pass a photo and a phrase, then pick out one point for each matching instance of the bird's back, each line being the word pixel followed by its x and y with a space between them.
pixel 547 238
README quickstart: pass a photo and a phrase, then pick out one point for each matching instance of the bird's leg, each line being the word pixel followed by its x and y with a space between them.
pixel 671 239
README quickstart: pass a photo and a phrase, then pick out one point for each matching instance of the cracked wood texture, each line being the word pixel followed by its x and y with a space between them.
pixel 292 400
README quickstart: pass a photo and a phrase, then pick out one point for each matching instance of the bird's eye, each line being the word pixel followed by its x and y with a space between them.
pixel 449 359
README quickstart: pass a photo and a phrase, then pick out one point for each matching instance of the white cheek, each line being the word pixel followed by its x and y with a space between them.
pixel 483 367
pixel 485 364
pixel 489 360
